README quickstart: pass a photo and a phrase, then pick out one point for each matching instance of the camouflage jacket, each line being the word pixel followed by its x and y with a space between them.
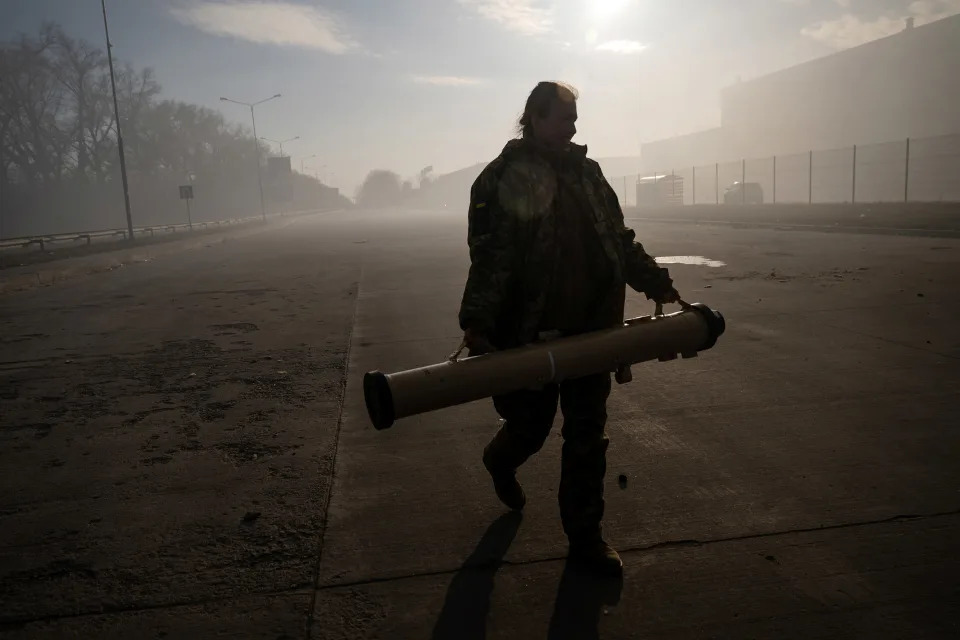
pixel 512 232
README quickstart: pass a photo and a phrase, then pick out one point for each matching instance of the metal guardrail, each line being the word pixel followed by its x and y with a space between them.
pixel 42 241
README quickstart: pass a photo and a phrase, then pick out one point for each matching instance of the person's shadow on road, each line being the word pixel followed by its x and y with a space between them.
pixel 581 599
pixel 464 613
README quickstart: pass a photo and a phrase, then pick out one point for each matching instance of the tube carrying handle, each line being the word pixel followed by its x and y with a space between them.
pixel 658 309
pixel 456 354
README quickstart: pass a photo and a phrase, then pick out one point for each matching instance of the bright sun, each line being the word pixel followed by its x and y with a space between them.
pixel 602 9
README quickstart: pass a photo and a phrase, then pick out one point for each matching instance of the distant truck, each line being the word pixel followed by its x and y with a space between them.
pixel 743 193
pixel 659 190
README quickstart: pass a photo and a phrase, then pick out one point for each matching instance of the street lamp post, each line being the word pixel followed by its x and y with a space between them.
pixel 263 208
pixel 280 142
pixel 116 115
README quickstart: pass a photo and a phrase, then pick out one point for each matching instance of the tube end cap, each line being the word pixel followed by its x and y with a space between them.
pixel 379 400
pixel 716 324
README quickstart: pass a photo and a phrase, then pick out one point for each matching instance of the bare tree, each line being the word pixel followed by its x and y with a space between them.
pixel 80 68
pixel 32 101
pixel 58 138
pixel 380 188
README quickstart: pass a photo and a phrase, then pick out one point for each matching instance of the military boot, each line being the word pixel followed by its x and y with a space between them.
pixel 504 482
pixel 594 554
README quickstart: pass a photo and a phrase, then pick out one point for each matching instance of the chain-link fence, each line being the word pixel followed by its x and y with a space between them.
pixel 911 170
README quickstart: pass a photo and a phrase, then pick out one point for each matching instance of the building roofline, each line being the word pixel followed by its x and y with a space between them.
pixel 827 59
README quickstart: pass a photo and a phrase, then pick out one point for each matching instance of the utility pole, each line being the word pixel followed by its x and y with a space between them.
pixel 743 181
pixel 116 114
pixel 256 144
pixel 906 174
pixel 853 188
pixel 306 158
pixel 280 142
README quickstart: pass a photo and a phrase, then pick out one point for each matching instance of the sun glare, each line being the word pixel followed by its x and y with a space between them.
pixel 603 9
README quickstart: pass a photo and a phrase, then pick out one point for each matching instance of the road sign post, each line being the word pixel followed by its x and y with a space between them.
pixel 186 194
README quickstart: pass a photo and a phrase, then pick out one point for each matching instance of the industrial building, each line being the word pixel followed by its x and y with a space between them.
pixel 885 91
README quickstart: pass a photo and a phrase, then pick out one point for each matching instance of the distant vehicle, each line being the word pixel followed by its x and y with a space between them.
pixel 743 193
pixel 660 189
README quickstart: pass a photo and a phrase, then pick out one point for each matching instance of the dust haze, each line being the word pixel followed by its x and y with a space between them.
pixel 714 92
pixel 235 249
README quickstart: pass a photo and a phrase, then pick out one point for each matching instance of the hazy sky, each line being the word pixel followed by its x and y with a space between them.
pixel 401 84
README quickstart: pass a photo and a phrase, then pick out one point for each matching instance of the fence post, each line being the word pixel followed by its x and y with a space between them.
pixel 774 179
pixel 906 173
pixel 743 181
pixel 716 181
pixel 693 189
pixel 853 195
pixel 810 180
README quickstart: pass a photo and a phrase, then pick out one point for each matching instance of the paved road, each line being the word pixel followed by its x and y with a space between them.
pixel 185 449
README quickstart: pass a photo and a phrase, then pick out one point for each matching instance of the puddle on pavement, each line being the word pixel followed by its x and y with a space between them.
pixel 698 261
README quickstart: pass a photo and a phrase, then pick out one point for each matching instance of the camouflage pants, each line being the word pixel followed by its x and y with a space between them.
pixel 528 417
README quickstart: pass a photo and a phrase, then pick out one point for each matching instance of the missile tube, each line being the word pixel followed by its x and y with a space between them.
pixel 390 397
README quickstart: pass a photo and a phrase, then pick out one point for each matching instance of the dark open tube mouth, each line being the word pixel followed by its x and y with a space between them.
pixel 379 399
pixel 716 325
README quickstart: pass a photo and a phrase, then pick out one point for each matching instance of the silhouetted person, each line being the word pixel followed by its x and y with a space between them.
pixel 550 255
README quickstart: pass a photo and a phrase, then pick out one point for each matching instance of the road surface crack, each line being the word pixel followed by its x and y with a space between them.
pixel 665 544
pixel 336 449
